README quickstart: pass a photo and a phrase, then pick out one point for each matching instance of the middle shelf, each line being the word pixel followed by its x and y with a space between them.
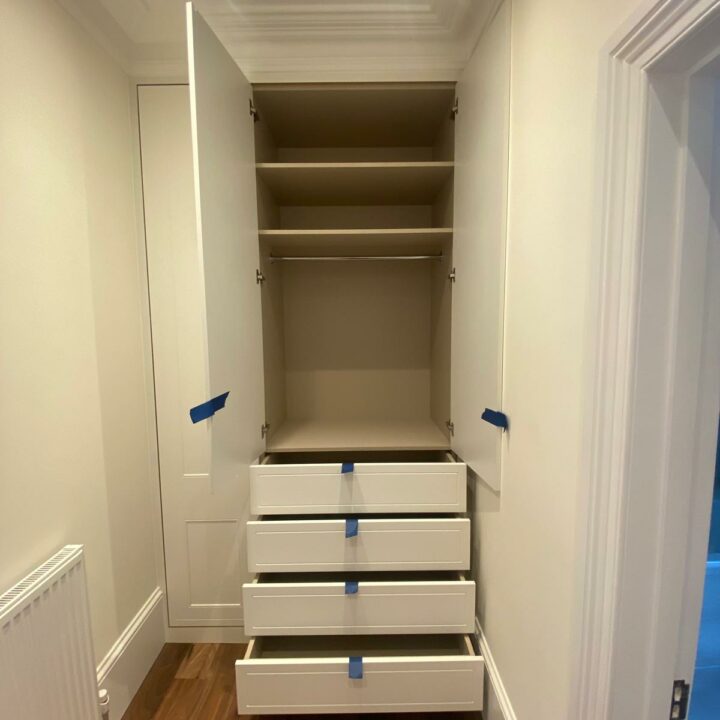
pixel 351 183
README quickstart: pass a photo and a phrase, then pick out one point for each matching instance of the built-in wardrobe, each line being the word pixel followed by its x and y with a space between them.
pixel 326 266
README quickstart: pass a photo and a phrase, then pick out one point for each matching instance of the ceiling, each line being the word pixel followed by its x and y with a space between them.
pixel 295 40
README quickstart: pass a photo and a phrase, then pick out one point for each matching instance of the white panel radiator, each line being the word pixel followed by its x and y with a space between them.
pixel 47 665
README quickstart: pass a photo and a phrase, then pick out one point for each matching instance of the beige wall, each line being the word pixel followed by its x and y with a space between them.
pixel 530 535
pixel 74 462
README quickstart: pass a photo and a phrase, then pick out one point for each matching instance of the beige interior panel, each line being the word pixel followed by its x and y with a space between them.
pixel 357 339
pixel 356 154
pixel 355 216
pixel 359 114
pixel 355 183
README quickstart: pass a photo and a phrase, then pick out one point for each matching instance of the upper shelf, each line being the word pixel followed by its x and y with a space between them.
pixel 373 183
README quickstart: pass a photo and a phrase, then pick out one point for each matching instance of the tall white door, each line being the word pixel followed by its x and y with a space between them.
pixel 201 233
pixel 227 231
pixel 203 549
pixel 481 171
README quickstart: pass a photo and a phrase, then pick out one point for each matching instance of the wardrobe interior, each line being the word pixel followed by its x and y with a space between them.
pixel 355 216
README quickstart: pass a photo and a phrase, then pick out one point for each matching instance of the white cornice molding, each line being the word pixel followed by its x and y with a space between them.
pixel 310 41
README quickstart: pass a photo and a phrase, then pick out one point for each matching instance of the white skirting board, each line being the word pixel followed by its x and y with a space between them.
pixel 219 634
pixel 124 668
pixel 497 704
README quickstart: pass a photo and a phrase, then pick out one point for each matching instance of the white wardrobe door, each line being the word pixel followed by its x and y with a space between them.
pixel 481 169
pixel 202 535
pixel 227 226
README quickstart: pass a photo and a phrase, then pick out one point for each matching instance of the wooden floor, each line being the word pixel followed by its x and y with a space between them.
pixel 197 682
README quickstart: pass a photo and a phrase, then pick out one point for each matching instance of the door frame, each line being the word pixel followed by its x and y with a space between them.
pixel 635 516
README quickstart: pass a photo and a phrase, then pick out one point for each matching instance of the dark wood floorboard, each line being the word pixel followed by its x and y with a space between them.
pixel 197 682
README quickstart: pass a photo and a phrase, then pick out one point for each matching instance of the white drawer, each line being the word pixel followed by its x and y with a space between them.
pixel 406 674
pixel 321 605
pixel 281 487
pixel 320 545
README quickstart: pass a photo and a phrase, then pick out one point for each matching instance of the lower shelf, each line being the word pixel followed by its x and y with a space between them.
pixel 371 434
pixel 431 673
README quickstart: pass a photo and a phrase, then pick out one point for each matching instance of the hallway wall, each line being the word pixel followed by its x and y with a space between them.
pixel 73 420
pixel 530 551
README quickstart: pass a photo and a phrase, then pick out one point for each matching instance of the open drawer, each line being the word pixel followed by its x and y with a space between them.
pixel 326 484
pixel 312 544
pixel 362 674
pixel 328 604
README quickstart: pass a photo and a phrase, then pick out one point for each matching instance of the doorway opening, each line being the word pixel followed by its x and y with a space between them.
pixel 706 681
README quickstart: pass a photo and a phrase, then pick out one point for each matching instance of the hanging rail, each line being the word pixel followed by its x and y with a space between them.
pixel 306 258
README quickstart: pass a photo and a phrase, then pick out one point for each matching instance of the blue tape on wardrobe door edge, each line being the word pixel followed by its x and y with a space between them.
pixel 209 408
pixel 347 467
pixel 496 418
pixel 351 527
pixel 351 587
pixel 355 668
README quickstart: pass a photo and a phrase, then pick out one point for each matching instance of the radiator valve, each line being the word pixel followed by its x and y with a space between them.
pixel 104 702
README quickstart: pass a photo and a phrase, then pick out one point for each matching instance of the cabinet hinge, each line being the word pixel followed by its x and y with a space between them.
pixel 680 698
pixel 450 426
pixel 264 430
pixel 452 275
pixel 454 110
pixel 259 277
pixel 253 111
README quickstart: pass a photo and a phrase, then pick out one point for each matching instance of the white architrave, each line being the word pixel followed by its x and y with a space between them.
pixel 632 350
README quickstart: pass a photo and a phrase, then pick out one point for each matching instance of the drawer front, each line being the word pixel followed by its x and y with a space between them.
pixel 389 684
pixel 370 488
pixel 376 608
pixel 318 545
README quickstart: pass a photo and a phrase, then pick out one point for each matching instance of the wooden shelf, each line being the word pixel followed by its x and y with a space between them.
pixel 370 434
pixel 374 183
pixel 373 240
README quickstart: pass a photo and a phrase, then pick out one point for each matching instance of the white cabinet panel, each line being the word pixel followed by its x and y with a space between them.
pixel 431 675
pixel 374 607
pixel 227 227
pixel 322 488
pixel 316 545
pixel 202 526
pixel 480 219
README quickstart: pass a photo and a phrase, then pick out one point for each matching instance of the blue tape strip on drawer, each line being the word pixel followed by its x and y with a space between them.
pixel 209 408
pixel 351 527
pixel 355 668
pixel 351 587
pixel 347 467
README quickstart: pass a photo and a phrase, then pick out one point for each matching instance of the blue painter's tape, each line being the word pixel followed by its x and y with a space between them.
pixel 351 587
pixel 496 418
pixel 355 668
pixel 351 527
pixel 209 408
pixel 347 468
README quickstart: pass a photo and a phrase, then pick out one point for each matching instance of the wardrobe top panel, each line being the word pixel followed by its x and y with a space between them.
pixel 349 115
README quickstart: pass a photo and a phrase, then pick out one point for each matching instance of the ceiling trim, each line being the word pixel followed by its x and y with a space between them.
pixel 412 50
